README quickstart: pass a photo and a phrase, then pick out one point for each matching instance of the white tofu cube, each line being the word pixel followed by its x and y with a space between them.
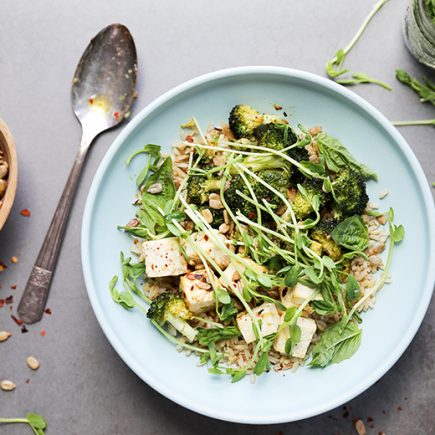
pixel 299 350
pixel 163 258
pixel 208 245
pixel 197 291
pixel 270 320
pixel 297 295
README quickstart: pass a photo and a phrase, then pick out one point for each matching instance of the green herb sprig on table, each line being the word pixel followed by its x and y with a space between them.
pixel 37 422
pixel 425 90
pixel 334 67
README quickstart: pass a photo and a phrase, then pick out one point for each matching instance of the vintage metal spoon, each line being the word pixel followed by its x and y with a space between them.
pixel 102 92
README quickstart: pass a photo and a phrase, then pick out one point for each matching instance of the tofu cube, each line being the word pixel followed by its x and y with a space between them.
pixel 163 258
pixel 197 291
pixel 299 350
pixel 295 296
pixel 208 245
pixel 270 320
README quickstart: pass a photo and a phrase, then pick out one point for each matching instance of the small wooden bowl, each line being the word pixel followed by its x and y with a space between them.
pixel 8 147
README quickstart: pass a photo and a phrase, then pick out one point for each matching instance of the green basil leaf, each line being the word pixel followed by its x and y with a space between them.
pixel 337 156
pixel 337 343
pixel 352 234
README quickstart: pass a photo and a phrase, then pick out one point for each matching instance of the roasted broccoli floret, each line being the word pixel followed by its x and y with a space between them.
pixel 322 234
pixel 275 136
pixel 349 194
pixel 243 120
pixel 199 187
pixel 262 163
pixel 169 307
pixel 278 179
pixel 302 204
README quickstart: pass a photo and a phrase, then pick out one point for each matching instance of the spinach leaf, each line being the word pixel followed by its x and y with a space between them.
pixel 337 156
pixel 336 344
pixel 352 234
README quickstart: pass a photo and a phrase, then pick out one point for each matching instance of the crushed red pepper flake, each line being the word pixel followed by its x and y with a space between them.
pixel 13 287
pixel 399 408
pixel 370 419
pixel 189 138
pixel 2 302
pixel 27 381
pixel 25 212
pixel 24 329
pixel 9 300
pixel 19 322
pixel 91 101
pixel 2 266
pixel 48 311
pixel 43 333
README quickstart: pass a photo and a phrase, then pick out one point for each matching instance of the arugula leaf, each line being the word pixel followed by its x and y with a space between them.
pixel 337 156
pixel 336 344
pixel 352 234
pixel 206 336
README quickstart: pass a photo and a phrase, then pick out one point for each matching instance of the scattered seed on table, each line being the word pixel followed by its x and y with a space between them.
pixel 32 362
pixel 360 427
pixel 7 385
pixel 4 335
pixel 14 259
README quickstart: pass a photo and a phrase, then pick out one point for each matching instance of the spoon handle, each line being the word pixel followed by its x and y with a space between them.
pixel 32 303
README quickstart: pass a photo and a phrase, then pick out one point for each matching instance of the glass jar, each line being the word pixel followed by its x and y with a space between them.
pixel 419 32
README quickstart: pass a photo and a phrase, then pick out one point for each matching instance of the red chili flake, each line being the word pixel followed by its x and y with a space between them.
pixel 370 419
pixel 13 287
pixel 2 302
pixel 384 412
pixel 27 381
pixel 24 329
pixel 399 408
pixel 189 138
pixel 47 311
pixel 91 101
pixel 43 333
pixel 252 215
pixel 25 212
pixel 346 414
pixel 2 266
pixel 19 322
pixel 190 276
pixel 116 115
pixel 9 300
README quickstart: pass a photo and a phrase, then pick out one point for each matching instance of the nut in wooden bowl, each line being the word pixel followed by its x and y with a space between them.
pixel 8 172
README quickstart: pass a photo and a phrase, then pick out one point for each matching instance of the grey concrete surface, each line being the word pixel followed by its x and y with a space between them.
pixel 82 386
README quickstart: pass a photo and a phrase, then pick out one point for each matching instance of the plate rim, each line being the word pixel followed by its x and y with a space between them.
pixel 429 208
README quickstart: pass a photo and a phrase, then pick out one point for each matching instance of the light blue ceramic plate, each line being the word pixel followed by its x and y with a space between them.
pixel 387 330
